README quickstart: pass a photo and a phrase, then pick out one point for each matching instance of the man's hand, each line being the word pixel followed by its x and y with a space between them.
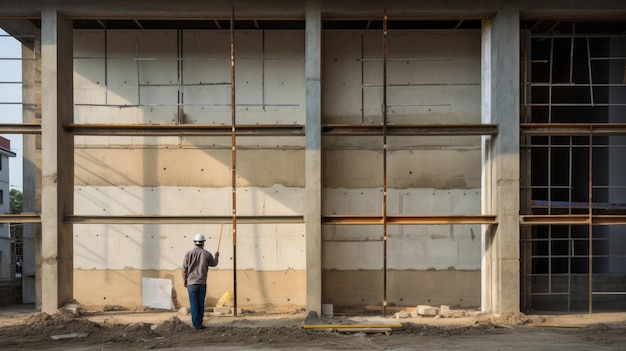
pixel 217 254
pixel 185 284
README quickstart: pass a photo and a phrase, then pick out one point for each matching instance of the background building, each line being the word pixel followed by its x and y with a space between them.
pixel 370 153
pixel 7 256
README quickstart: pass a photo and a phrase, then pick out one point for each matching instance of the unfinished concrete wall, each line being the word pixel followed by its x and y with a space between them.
pixel 130 77
pixel 433 77
pixel 183 77
pixel 7 259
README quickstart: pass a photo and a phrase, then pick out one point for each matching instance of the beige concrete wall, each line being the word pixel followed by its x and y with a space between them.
pixel 443 67
pixel 404 288
pixel 433 78
pixel 191 175
pixel 268 247
pixel 134 68
pixel 130 77
pixel 255 290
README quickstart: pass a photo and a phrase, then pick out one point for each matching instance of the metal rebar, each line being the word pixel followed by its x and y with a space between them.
pixel 138 67
pixel 362 79
pixel 180 111
pixel 263 70
pixel 590 214
pixel 590 74
pixel 106 66
pixel 233 155
pixel 571 53
pixel 384 207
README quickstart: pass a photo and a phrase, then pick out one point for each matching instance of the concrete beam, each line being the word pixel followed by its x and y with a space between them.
pixel 425 9
pixel 57 161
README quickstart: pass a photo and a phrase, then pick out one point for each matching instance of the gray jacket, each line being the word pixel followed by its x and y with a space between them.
pixel 196 265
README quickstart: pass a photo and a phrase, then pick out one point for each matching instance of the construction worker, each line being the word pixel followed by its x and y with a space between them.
pixel 195 269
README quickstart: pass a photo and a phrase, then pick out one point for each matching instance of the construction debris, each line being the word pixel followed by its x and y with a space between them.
pixel 69 336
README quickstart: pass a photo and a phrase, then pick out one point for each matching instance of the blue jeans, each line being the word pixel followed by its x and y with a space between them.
pixel 197 293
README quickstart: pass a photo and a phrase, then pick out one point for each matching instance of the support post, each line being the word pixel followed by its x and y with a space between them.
pixel 31 113
pixel 502 244
pixel 57 161
pixel 487 170
pixel 313 158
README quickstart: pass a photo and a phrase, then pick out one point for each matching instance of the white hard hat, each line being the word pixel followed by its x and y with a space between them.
pixel 198 237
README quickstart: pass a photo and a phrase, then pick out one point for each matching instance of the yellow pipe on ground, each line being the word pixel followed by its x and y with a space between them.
pixel 354 326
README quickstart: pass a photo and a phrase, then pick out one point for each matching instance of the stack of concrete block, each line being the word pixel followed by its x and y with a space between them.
pixel 224 310
pixel 425 310
pixel 445 311
pixel 402 314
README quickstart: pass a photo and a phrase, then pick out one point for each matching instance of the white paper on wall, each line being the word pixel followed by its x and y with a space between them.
pixel 157 293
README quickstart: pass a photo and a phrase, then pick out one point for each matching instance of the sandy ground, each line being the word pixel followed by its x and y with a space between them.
pixel 22 328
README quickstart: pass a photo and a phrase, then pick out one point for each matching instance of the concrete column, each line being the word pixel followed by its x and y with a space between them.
pixel 31 96
pixel 57 161
pixel 502 244
pixel 486 174
pixel 313 158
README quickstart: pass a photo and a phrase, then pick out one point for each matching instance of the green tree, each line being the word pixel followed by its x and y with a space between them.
pixel 16 201
pixel 16 204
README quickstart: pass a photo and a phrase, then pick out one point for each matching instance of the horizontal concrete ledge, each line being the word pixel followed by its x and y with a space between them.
pixel 426 129
pixel 20 218
pixel 572 219
pixel 181 219
pixel 443 219
pixel 573 129
pixel 20 128
pixel 36 218
pixel 185 130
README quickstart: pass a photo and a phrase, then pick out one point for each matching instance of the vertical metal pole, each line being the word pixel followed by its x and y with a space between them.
pixel 549 146
pixel 138 66
pixel 525 178
pixel 569 231
pixel 362 79
pixel 384 210
pixel 180 118
pixel 571 53
pixel 106 66
pixel 590 219
pixel 590 75
pixel 233 155
pixel 550 81
pixel 263 71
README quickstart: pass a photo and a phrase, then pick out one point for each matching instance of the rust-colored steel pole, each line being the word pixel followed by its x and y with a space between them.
pixel 590 210
pixel 384 210
pixel 233 155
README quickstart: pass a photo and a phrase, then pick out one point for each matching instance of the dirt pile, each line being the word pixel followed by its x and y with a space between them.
pixel 507 319
pixel 116 330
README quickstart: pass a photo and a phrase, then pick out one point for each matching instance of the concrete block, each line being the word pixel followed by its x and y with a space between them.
pixel 327 310
pixel 72 308
pixel 223 310
pixel 402 314
pixel 425 310
pixel 445 311
pixel 414 314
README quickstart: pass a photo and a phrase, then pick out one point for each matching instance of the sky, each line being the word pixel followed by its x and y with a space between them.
pixel 10 97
